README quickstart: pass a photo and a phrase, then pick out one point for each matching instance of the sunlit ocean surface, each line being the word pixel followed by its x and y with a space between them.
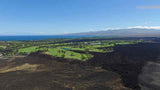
pixel 42 37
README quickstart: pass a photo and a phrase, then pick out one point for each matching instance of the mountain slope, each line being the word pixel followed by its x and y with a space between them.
pixel 124 32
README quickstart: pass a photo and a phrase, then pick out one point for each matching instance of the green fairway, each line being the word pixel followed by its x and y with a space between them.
pixel 28 50
pixel 90 48
pixel 31 49
pixel 58 52
pixel 66 50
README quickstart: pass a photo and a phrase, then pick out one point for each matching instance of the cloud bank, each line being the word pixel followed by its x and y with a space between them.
pixel 149 7
pixel 145 27
pixel 134 27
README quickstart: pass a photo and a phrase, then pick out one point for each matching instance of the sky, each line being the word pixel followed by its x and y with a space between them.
pixel 53 17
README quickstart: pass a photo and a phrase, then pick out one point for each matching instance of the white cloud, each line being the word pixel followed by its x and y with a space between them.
pixel 145 27
pixel 91 30
pixel 112 29
pixel 139 27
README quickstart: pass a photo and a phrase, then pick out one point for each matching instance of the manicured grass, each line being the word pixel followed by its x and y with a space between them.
pixel 63 49
pixel 58 52
pixel 94 48
pixel 31 49
pixel 91 48
pixel 28 50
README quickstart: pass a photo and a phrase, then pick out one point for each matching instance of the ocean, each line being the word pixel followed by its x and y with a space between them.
pixel 36 37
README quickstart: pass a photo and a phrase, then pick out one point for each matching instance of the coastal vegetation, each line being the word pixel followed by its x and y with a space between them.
pixel 63 48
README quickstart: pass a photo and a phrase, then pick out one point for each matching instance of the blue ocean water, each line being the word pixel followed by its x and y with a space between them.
pixel 40 37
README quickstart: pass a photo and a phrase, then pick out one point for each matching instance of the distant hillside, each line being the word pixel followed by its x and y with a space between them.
pixel 134 32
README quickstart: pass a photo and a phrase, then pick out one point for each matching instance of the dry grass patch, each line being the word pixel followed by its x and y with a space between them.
pixel 24 67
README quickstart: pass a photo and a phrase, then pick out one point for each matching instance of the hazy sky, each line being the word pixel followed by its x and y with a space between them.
pixel 33 17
